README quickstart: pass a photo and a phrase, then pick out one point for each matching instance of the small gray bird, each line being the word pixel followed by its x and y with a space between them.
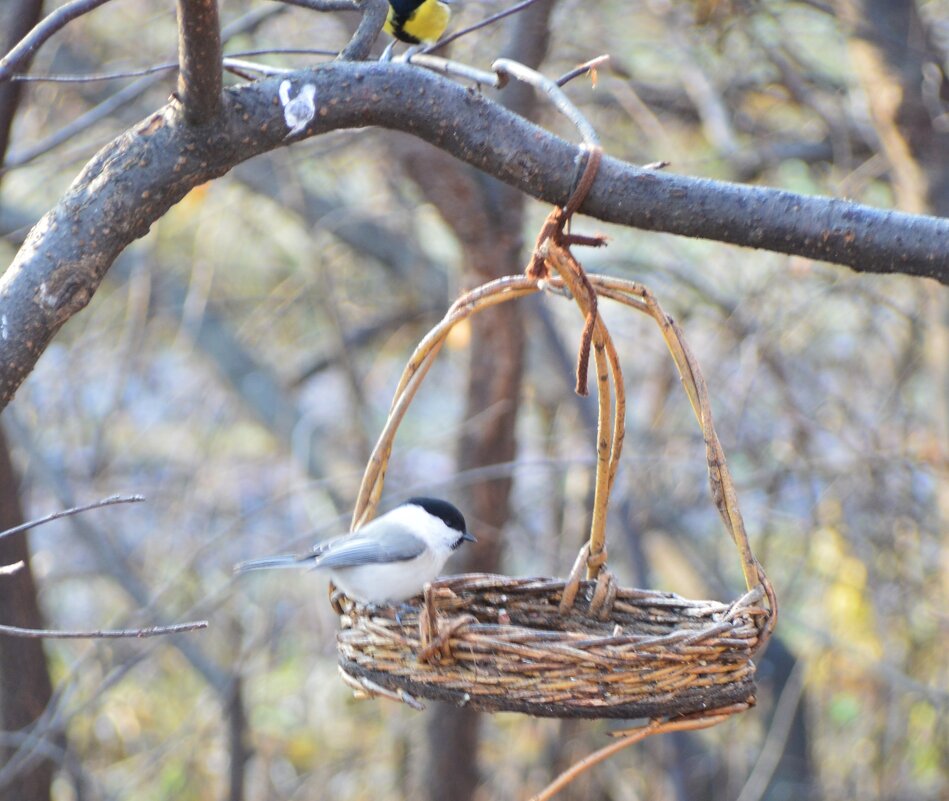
pixel 389 559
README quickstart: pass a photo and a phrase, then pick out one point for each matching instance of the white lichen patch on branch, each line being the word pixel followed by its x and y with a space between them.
pixel 46 298
pixel 299 110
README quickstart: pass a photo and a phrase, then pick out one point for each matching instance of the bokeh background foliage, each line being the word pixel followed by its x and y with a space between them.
pixel 239 360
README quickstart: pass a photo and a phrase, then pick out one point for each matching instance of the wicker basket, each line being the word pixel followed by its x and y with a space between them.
pixel 580 647
pixel 649 654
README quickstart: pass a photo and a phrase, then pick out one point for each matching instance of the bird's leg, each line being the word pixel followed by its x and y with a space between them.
pixel 376 610
pixel 387 53
pixel 386 610
pixel 405 608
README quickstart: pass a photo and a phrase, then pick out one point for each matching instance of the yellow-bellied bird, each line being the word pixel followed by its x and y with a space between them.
pixel 417 21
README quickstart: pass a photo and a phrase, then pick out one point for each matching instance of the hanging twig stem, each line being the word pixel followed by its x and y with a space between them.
pixel 634 736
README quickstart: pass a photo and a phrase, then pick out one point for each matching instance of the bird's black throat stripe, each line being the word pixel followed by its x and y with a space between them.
pixel 399 21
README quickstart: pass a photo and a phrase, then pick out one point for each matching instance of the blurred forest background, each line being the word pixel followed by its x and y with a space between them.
pixel 238 362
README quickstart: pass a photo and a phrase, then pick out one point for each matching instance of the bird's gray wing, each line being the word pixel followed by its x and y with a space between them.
pixel 368 546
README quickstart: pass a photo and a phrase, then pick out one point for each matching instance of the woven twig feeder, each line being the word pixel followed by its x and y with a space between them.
pixel 580 647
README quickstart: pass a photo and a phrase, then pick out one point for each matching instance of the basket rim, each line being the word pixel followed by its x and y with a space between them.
pixel 444 603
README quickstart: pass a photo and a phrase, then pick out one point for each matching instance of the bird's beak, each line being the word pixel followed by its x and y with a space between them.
pixel 468 537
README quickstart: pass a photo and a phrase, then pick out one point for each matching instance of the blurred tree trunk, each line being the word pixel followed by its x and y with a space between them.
pixel 901 68
pixel 494 385
pixel 25 686
pixel 486 217
pixel 902 71
pixel 17 17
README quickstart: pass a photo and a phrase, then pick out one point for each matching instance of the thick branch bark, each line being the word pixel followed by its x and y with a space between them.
pixel 133 181
pixel 200 77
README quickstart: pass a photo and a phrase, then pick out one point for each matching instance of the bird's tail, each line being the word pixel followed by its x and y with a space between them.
pixel 274 562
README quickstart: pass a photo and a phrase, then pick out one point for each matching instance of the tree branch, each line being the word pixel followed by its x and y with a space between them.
pixel 30 43
pixel 200 78
pixel 136 178
pixel 374 14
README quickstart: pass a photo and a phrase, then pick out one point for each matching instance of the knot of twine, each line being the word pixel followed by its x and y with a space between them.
pixel 553 230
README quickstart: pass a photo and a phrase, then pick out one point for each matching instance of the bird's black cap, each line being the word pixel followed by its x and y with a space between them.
pixel 445 511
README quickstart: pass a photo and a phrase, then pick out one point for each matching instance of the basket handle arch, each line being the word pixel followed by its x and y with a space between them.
pixel 610 437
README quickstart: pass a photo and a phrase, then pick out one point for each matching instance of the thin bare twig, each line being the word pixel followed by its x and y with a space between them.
pixel 170 65
pixel 284 51
pixel 82 122
pixel 112 500
pixel 582 69
pixel 30 43
pixel 455 69
pixel 127 94
pixel 96 76
pixel 116 562
pixel 514 69
pixel 246 69
pixel 102 634
pixel 478 25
